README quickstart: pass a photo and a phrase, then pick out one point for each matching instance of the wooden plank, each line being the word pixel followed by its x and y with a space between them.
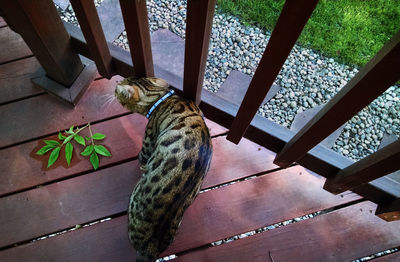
pixel 89 22
pixel 230 162
pixel 262 131
pixel 378 164
pixel 47 38
pixel 15 79
pixel 373 79
pixel 21 169
pixel 49 207
pixel 291 21
pixel 66 204
pixel 19 122
pixel 106 241
pixel 225 211
pixel 12 45
pixel 136 23
pixel 342 235
pixel 198 29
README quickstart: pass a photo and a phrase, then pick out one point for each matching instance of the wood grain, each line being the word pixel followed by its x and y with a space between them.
pixel 47 38
pixel 342 235
pixel 198 30
pixel 225 211
pixel 15 79
pixel 19 122
pixel 136 23
pixel 20 168
pixel 12 46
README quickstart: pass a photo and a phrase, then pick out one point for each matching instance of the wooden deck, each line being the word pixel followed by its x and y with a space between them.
pixel 36 202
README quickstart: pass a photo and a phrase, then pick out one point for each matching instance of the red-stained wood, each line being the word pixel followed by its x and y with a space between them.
pixel 12 45
pixel 89 22
pixel 15 79
pixel 198 29
pixel 378 164
pixel 230 162
pixel 291 21
pixel 21 169
pixel 138 34
pixel 343 235
pixel 224 211
pixel 47 38
pixel 106 242
pixel 389 211
pixel 373 79
pixel 252 204
pixel 65 204
pixel 19 122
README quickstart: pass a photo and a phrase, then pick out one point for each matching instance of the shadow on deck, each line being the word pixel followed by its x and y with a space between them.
pixel 36 202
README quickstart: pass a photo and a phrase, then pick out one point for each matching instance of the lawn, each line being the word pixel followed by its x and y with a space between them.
pixel 352 31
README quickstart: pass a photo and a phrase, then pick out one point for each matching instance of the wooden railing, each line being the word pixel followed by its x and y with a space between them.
pixel 57 53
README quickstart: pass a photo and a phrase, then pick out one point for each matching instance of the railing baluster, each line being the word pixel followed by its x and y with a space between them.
pixel 378 164
pixel 136 23
pixel 378 75
pixel 198 29
pixel 89 21
pixel 47 38
pixel 291 21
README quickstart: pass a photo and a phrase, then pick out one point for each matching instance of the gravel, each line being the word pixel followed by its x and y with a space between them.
pixel 307 78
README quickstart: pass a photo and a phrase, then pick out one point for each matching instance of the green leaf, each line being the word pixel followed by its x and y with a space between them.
pixel 68 152
pixel 87 138
pixel 70 131
pixel 53 156
pixel 98 136
pixel 80 140
pixel 45 149
pixel 60 136
pixel 102 150
pixel 94 159
pixel 88 150
pixel 51 142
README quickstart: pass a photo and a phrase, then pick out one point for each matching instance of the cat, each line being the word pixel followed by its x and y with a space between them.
pixel 175 158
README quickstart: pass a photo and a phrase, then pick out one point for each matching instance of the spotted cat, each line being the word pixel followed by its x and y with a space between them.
pixel 175 158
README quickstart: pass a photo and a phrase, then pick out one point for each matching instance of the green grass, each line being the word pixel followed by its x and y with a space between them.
pixel 352 31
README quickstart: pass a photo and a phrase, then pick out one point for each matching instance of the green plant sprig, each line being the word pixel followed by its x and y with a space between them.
pixel 92 149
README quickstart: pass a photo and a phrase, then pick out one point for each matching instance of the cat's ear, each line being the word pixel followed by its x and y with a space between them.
pixel 159 82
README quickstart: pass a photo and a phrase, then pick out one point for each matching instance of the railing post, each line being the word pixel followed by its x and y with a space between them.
pixel 42 29
pixel 91 27
pixel 378 164
pixel 293 18
pixel 198 29
pixel 136 23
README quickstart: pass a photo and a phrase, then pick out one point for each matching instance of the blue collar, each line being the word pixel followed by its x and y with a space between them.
pixel 170 93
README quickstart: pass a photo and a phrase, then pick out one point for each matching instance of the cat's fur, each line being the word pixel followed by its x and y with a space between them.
pixel 175 158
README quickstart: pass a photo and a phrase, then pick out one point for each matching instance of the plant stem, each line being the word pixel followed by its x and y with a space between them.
pixel 91 135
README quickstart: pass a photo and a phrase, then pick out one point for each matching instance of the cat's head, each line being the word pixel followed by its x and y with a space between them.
pixel 138 95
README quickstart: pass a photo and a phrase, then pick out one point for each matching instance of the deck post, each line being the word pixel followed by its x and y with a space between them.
pixel 42 29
